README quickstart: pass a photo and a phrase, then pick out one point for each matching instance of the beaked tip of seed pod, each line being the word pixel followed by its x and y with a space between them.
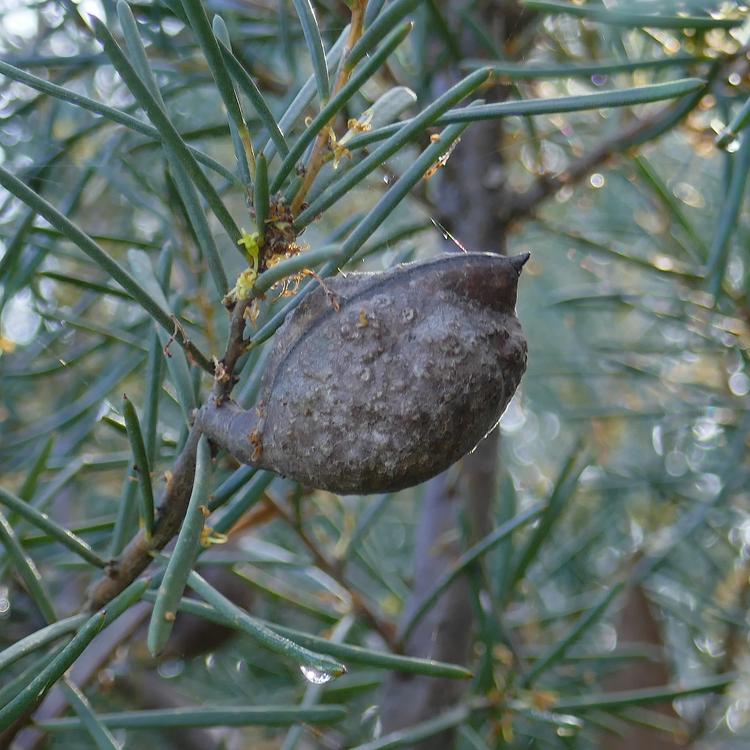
pixel 519 261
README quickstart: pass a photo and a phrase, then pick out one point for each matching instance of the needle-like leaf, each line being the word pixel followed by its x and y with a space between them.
pixel 103 260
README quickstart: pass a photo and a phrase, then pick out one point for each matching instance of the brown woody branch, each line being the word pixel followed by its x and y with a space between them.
pixel 224 377
pixel 137 556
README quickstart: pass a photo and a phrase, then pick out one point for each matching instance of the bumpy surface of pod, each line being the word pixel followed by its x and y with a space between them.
pixel 415 366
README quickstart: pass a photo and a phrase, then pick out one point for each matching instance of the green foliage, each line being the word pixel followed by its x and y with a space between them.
pixel 138 144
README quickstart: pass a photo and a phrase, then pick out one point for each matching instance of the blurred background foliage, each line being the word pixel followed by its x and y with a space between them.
pixel 625 447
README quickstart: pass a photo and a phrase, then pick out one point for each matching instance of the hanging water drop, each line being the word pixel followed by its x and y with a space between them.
pixel 171 668
pixel 315 676
pixel 733 146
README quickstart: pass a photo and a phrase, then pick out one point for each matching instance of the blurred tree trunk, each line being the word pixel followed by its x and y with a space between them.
pixel 445 632
pixel 471 196
pixel 637 624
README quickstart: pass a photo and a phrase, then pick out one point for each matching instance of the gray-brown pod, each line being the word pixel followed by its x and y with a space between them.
pixel 390 387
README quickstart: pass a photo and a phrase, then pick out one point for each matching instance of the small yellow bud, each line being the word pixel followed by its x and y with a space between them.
pixel 245 282
pixel 252 248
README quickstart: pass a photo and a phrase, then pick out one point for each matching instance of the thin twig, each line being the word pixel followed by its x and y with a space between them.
pixel 224 376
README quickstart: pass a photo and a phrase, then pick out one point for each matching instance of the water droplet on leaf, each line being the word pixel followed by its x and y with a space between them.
pixel 171 668
pixel 733 146
pixel 315 676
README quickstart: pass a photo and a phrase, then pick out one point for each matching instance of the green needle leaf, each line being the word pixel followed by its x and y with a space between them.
pixel 154 376
pixel 198 19
pixel 602 99
pixel 234 482
pixel 738 123
pixel 207 716
pixel 310 662
pixel 352 86
pixel 125 600
pixel 347 653
pixel 27 570
pixel 306 260
pixel 395 194
pixel 261 196
pixel 65 278
pixel 247 84
pixel 55 530
pixel 469 557
pixel 314 45
pixel 564 487
pixel 383 24
pixel 110 113
pixel 37 688
pixel 11 688
pixel 410 736
pixel 558 651
pixel 126 514
pixel 221 34
pixel 169 134
pixel 28 488
pixel 727 223
pixel 305 95
pixel 240 505
pixel 177 363
pixel 32 694
pixel 100 257
pixel 625 18
pixel 141 465
pixel 405 132
pixel 39 639
pixel 624 698
pixel 554 105
pixel 184 555
pixel 101 736
pixel 373 8
pixel 524 72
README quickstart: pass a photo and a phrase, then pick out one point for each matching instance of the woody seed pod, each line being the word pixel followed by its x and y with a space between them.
pixel 404 376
